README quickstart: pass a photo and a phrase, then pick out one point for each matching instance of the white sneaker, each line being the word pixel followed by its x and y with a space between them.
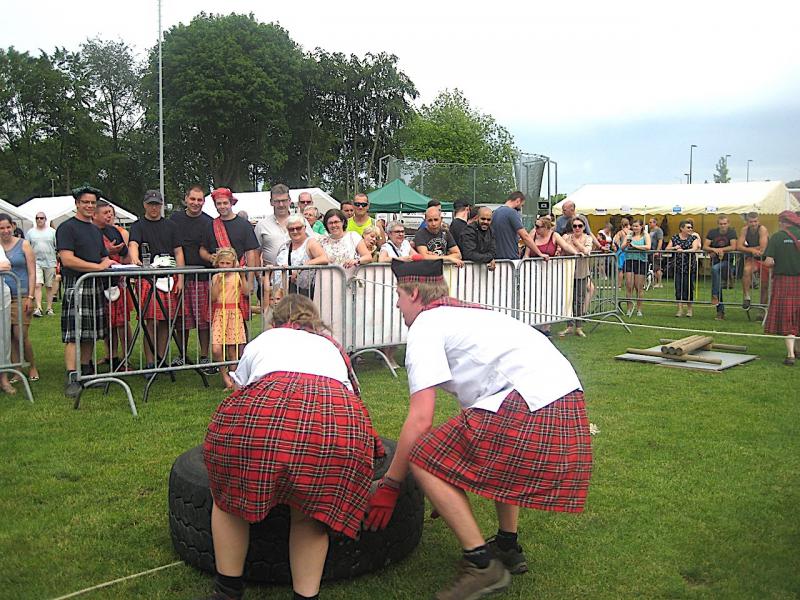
pixel 630 312
pixel 639 313
pixel 37 312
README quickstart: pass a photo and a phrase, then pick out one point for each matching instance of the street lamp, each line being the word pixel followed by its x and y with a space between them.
pixel 691 149
pixel 688 178
pixel 749 160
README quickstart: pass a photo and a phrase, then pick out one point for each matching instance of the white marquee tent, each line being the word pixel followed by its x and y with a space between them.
pixel 764 197
pixel 257 205
pixel 16 214
pixel 60 208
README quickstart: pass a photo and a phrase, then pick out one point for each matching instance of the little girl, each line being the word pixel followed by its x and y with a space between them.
pixel 227 326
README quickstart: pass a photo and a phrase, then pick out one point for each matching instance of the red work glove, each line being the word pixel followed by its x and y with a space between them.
pixel 381 506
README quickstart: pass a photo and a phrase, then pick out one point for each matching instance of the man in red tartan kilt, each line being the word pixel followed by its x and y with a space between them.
pixel 521 438
pixel 294 432
pixel 783 257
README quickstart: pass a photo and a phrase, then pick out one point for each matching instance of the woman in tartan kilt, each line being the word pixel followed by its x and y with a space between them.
pixel 521 438
pixel 294 432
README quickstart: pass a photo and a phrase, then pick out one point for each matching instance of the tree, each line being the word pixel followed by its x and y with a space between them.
pixel 230 83
pixel 721 176
pixel 477 152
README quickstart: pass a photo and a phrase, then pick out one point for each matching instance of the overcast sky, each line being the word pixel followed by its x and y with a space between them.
pixel 615 92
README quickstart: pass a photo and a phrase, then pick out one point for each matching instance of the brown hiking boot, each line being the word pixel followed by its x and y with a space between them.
pixel 473 583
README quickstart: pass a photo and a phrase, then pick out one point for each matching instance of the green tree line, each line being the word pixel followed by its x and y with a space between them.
pixel 244 105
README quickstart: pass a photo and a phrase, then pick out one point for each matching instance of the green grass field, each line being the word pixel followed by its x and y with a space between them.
pixel 695 489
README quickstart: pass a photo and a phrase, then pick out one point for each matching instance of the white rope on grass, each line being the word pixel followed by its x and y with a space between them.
pixel 121 579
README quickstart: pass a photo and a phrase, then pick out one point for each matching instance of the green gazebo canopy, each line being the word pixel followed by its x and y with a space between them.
pixel 397 197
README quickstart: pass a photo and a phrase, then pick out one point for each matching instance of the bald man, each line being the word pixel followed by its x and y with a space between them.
pixel 434 243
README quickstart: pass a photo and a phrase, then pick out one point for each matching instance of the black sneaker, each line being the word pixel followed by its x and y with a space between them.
pixel 204 360
pixel 177 362
pixel 746 303
pixel 72 389
pixel 514 559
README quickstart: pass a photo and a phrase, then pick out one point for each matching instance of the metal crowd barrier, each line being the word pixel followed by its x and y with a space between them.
pixel 6 320
pixel 358 305
pixel 693 276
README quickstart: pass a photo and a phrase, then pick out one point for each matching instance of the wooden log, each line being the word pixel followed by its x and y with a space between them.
pixel 684 358
pixel 674 347
pixel 700 342
pixel 729 347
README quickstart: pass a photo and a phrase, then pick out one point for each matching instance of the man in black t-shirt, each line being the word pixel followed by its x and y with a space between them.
pixel 193 226
pixel 718 242
pixel 459 222
pixel 161 237
pixel 434 242
pixel 234 232
pixel 81 250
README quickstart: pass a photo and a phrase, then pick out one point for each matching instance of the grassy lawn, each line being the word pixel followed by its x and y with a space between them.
pixel 694 493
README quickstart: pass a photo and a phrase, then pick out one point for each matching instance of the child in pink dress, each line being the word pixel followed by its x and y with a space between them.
pixel 228 335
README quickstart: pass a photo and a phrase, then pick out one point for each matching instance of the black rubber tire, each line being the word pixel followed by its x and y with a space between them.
pixel 268 557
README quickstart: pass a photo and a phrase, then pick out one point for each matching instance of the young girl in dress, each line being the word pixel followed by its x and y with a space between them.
pixel 227 326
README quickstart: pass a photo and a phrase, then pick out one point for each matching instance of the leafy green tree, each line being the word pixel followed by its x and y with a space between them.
pixel 464 153
pixel 721 176
pixel 230 84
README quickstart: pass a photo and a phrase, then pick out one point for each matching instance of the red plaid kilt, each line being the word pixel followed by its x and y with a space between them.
pixel 292 438
pixel 119 312
pixel 196 299
pixel 783 315
pixel 540 459
pixel 153 309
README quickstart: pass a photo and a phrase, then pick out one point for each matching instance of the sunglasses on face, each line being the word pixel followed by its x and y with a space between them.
pixel 40 218
pixel 298 228
pixel 361 204
pixel 399 232
pixel 577 225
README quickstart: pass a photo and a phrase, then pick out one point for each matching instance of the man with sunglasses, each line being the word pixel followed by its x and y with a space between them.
pixel 43 241
pixel 361 219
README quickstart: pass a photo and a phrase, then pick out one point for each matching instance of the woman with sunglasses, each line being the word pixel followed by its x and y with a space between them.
pixel 397 246
pixel 344 248
pixel 581 244
pixel 547 240
pixel 685 244
pixel 300 250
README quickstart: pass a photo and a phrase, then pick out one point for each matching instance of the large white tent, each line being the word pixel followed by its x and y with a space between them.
pixel 257 205
pixel 764 197
pixel 14 212
pixel 60 208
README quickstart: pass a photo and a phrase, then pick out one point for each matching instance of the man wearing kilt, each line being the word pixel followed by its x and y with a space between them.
pixel 294 432
pixel 81 250
pixel 783 257
pixel 521 438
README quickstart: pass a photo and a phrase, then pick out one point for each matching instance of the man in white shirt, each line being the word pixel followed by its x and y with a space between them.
pixel 521 439
pixel 42 239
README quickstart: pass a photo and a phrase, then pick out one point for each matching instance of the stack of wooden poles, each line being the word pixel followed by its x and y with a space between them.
pixel 681 350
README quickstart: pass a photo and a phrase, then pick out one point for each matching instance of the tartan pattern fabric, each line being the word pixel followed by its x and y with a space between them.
pixel 119 311
pixel 783 315
pixel 152 309
pixel 296 439
pixel 540 459
pixel 420 279
pixel 197 311
pixel 92 312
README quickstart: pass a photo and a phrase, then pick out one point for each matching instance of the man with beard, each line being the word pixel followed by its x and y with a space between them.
pixel 477 239
pixel 508 229
pixel 193 225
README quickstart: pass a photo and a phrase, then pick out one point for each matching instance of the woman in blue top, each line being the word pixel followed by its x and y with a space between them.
pixel 23 263
pixel 635 246
pixel 619 238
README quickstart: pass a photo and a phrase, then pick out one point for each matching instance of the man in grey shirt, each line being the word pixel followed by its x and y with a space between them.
pixel 656 244
pixel 507 228
pixel 42 239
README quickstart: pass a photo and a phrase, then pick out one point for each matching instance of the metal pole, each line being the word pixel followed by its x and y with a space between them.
pixel 691 149
pixel 160 113
pixel 549 197
pixel 556 176
pixel 749 160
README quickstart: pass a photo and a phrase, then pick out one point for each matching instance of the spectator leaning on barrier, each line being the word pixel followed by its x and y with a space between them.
pixel 42 238
pixel 685 244
pixel 343 248
pixel 373 240
pixel 300 250
pixel 720 241
pixel 118 308
pixel 656 245
pixel 508 229
pixel 434 242
pixel 582 245
pixel 459 223
pixel 193 226
pixel 752 242
pixel 5 324
pixel 477 240
pixel 81 250
pixel 521 438
pixel 23 264
pixel 158 305
pixel 783 257
pixel 397 246
pixel 548 241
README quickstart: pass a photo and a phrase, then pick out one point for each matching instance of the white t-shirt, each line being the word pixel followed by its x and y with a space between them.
pixel 481 355
pixel 404 250
pixel 284 349
pixel 43 242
